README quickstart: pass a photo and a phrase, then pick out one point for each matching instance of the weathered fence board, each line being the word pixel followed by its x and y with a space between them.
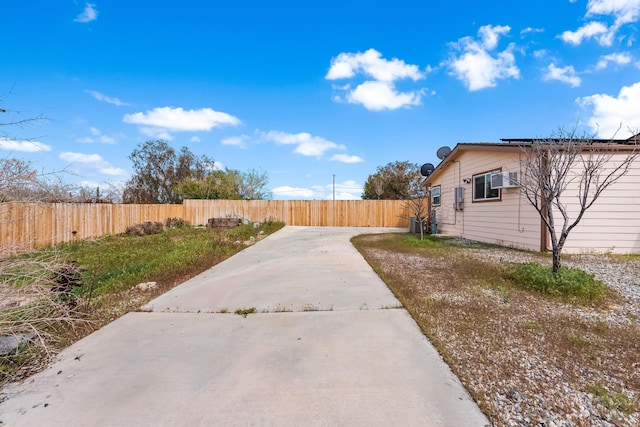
pixel 33 225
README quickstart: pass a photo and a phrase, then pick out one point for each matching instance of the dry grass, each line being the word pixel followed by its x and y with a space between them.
pixel 525 358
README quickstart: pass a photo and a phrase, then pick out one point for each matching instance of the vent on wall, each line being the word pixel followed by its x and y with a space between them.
pixel 505 180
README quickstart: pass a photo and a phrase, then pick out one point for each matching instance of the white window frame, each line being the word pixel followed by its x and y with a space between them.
pixel 487 187
pixel 433 195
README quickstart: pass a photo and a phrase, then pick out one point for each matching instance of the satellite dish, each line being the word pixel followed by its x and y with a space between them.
pixel 443 152
pixel 426 169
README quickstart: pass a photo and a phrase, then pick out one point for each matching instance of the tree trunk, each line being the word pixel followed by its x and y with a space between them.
pixel 556 259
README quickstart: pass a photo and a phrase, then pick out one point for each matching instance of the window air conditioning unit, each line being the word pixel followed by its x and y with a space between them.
pixel 505 180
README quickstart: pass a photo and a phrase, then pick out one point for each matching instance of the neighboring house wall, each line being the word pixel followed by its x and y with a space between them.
pixel 612 224
pixel 508 221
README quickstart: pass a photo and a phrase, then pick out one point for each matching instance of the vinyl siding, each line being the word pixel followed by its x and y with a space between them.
pixel 612 224
pixel 510 221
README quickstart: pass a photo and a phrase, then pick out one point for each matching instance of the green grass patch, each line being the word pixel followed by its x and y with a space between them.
pixel 613 400
pixel 116 263
pixel 570 284
pixel 403 243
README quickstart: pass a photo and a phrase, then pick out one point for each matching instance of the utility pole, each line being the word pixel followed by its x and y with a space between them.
pixel 334 187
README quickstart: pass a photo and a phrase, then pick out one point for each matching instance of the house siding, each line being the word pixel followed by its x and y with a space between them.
pixel 612 224
pixel 510 221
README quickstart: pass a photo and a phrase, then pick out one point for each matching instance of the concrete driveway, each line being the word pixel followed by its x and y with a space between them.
pixel 329 345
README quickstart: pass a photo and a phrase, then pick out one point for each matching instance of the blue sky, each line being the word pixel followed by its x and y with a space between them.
pixel 307 90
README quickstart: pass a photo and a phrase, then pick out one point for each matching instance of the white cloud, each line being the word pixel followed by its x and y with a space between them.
pixel 236 141
pixel 104 98
pixel 294 192
pixel 615 58
pixel 112 171
pixel 306 144
pixel 93 161
pixel 475 65
pixel 23 146
pixel 531 30
pixel 80 157
pixel 563 74
pixel 371 64
pixel 195 139
pixel 489 35
pixel 160 121
pixel 341 68
pixel 105 139
pixel 540 53
pixel 596 30
pixel 90 13
pixel 624 11
pixel 159 133
pixel 345 158
pixel 609 113
pixel 378 96
pixel 378 92
pixel 97 137
pixel 347 190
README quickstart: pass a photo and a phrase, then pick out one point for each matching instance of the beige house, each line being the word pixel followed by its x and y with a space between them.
pixel 474 195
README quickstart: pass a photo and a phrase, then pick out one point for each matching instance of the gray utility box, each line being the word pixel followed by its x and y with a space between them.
pixel 414 225
pixel 459 198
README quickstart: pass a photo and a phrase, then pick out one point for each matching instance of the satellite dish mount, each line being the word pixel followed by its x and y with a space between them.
pixel 426 169
pixel 443 152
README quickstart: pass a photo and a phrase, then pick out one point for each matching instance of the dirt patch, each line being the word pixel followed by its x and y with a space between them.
pixel 10 297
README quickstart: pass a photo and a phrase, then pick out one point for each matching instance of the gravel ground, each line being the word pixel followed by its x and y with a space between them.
pixel 620 273
pixel 515 352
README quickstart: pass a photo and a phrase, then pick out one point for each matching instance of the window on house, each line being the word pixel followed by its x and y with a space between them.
pixel 482 188
pixel 435 196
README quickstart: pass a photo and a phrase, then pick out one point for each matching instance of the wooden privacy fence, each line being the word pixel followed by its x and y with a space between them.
pixel 33 225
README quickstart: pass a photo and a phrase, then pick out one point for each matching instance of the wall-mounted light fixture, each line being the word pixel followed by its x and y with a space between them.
pixel 467 180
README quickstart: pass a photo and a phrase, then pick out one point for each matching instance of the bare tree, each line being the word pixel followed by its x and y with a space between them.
pixel 378 188
pixel 19 121
pixel 16 177
pixel 418 202
pixel 581 164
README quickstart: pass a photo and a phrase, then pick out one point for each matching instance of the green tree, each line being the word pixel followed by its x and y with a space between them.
pixel 159 170
pixel 227 184
pixel 392 181
pixel 252 185
pixel 217 184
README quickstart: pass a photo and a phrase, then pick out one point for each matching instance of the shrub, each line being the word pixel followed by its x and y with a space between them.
pixel 66 279
pixel 174 223
pixel 145 228
pixel 569 283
